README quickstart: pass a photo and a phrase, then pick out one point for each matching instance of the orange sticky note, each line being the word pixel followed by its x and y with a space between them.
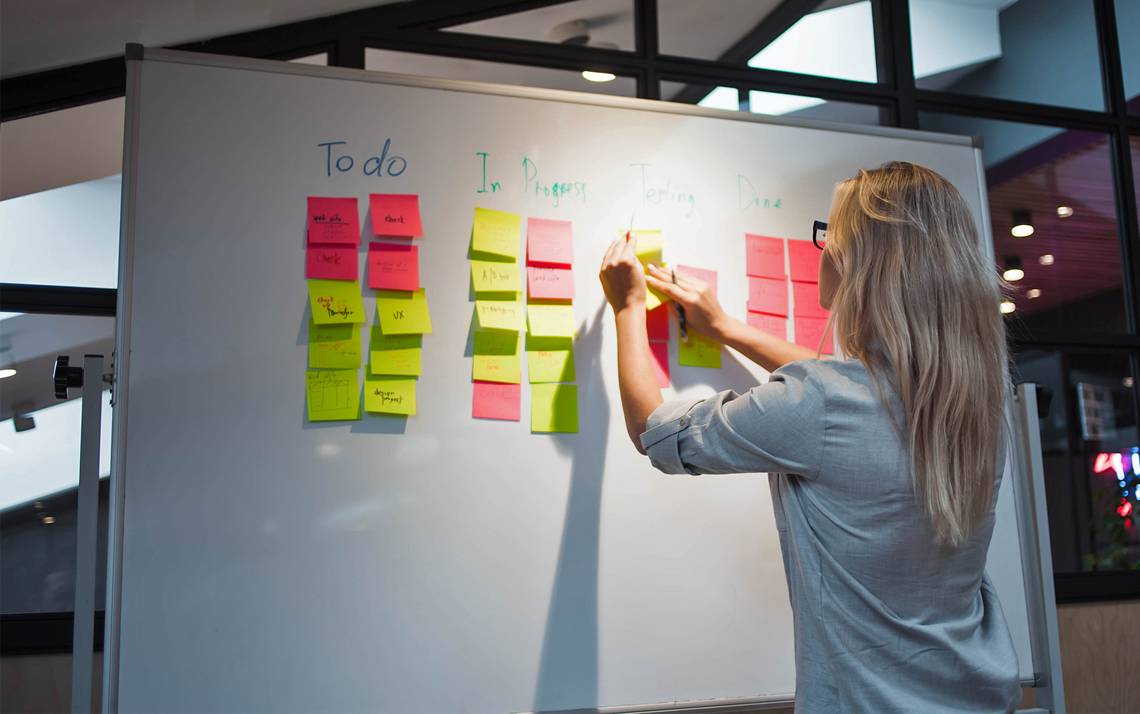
pixel 803 259
pixel 763 256
pixel 660 352
pixel 330 262
pixel 395 214
pixel 657 323
pixel 768 295
pixel 550 283
pixel 393 266
pixel 809 331
pixel 491 400
pixel 771 324
pixel 332 220
pixel 549 242
pixel 705 276
pixel 806 297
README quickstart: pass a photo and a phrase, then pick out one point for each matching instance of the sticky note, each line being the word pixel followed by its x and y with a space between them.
pixel 395 214
pixel 332 220
pixel 392 266
pixel 390 395
pixel 768 295
pixel 335 301
pixel 699 351
pixel 806 300
pixel 490 400
pixel 554 408
pixel 706 276
pixel 403 313
pixel 654 299
pixel 660 352
pixel 657 324
pixel 330 262
pixel 803 260
pixel 496 233
pixel 334 346
pixel 488 276
pixel 499 315
pixel 395 354
pixel 332 394
pixel 809 331
pixel 550 283
pixel 771 324
pixel 550 320
pixel 650 245
pixel 496 357
pixel 549 242
pixel 549 360
pixel 764 256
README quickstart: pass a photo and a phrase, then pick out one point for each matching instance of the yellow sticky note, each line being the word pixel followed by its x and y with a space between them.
pixel 499 315
pixel 699 351
pixel 395 354
pixel 335 302
pixel 332 394
pixel 390 395
pixel 334 346
pixel 649 247
pixel 549 360
pixel 554 408
pixel 496 233
pixel 402 312
pixel 487 276
pixel 496 357
pixel 550 320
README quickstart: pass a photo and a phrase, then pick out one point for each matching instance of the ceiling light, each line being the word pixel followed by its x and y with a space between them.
pixel 48 520
pixel 1046 259
pixel 1007 307
pixel 7 373
pixel 1033 293
pixel 1022 224
pixel 591 76
pixel 1128 382
pixel 1013 271
pixel 1064 211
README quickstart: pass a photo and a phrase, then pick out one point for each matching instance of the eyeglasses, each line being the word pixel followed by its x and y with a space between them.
pixel 819 234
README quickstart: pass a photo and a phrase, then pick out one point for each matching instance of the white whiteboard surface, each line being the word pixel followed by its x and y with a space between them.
pixel 442 564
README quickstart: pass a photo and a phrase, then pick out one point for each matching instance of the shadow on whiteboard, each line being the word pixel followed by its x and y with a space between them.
pixel 733 375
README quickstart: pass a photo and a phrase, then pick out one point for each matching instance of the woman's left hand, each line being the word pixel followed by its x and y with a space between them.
pixel 622 276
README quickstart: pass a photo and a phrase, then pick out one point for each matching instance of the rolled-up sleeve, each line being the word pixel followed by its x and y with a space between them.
pixel 774 427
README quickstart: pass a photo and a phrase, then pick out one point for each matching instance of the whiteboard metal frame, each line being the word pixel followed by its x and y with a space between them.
pixel 1032 523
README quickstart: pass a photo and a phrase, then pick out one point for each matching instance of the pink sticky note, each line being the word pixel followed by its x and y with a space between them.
pixel 764 257
pixel 550 283
pixel 491 400
pixel 771 324
pixel 660 351
pixel 707 276
pixel 549 242
pixel 809 331
pixel 395 214
pixel 392 266
pixel 803 258
pixel 657 323
pixel 330 262
pixel 332 220
pixel 768 295
pixel 806 297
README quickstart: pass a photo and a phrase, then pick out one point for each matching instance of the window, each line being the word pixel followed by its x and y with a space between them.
pixel 1127 20
pixel 601 24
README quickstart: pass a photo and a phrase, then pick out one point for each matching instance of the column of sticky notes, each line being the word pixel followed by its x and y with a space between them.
pixel 809 319
pixel 499 319
pixel 551 326
pixel 768 287
pixel 695 349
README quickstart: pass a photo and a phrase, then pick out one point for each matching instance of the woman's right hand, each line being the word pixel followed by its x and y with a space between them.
pixel 702 310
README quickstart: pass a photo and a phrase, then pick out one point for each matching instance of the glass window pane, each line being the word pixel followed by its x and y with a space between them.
pixel 802 107
pixel 1127 20
pixel 1042 51
pixel 606 24
pixel 321 59
pixel 1058 182
pixel 703 95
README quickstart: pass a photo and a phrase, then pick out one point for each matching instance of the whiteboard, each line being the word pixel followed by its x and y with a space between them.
pixel 440 563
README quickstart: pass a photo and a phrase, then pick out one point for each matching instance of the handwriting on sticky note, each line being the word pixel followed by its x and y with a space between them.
pixel 499 315
pixel 330 262
pixel 660 352
pixel 403 313
pixel 699 351
pixel 806 300
pixel 550 283
pixel 395 354
pixel 335 301
pixel 708 277
pixel 554 408
pixel 549 360
pixel 550 320
pixel 496 357
pixel 390 395
pixel 771 324
pixel 803 261
pixel 657 324
pixel 768 295
pixel 395 214
pixel 488 276
pixel 332 394
pixel 809 332
pixel 764 256
pixel 496 233
pixel 334 346
pixel 393 267
pixel 332 220
pixel 549 242
pixel 490 400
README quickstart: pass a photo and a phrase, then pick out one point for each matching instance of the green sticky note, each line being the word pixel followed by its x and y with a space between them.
pixel 699 351
pixel 487 276
pixel 550 320
pixel 395 354
pixel 496 233
pixel 332 394
pixel 390 395
pixel 549 360
pixel 496 357
pixel 403 312
pixel 334 346
pixel 554 408
pixel 335 302
pixel 499 315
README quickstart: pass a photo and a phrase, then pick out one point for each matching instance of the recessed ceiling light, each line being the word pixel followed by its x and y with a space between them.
pixel 1013 271
pixel 1064 211
pixel 1128 382
pixel 7 373
pixel 1022 224
pixel 48 520
pixel 1046 259
pixel 1007 307
pixel 1033 293
pixel 592 76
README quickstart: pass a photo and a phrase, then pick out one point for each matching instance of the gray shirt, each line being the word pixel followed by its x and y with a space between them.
pixel 885 619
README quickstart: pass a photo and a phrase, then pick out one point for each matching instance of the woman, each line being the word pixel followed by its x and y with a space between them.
pixel 884 466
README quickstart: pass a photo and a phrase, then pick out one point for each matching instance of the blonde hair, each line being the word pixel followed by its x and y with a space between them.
pixel 917 303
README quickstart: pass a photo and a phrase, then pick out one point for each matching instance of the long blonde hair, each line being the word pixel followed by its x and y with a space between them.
pixel 917 303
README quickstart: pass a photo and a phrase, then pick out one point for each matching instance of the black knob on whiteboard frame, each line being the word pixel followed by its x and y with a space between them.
pixel 65 376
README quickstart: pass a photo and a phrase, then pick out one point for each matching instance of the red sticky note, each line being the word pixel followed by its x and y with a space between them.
pixel 549 242
pixel 660 352
pixel 764 256
pixel 330 262
pixel 393 266
pixel 809 331
pixel 707 276
pixel 395 214
pixel 491 400
pixel 332 220
pixel 806 297
pixel 803 258
pixel 771 324
pixel 657 323
pixel 768 295
pixel 550 283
